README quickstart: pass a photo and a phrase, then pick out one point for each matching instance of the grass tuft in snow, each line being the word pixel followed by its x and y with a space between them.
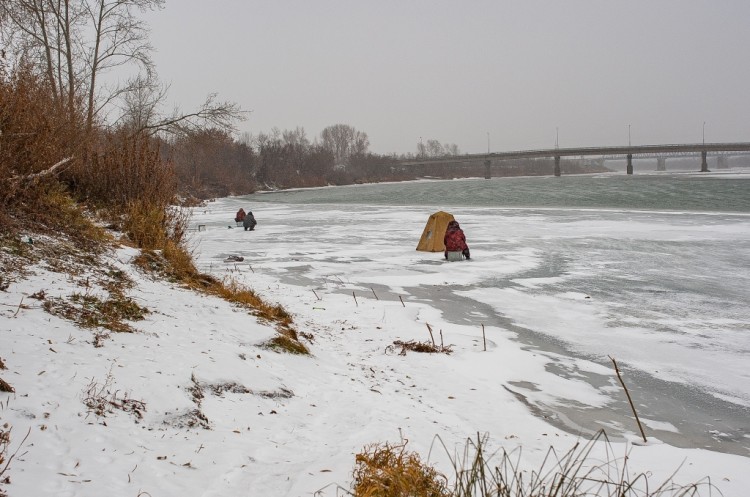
pixel 414 346
pixel 5 387
pixel 580 472
pixel 285 343
pixel 90 311
pixel 384 470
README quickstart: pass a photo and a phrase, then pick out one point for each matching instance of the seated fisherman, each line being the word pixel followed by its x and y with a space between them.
pixel 455 240
pixel 240 215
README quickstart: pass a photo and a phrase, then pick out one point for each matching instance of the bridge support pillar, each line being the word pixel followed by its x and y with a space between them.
pixel 661 164
pixel 557 165
pixel 704 162
pixel 722 162
pixel 487 169
pixel 630 164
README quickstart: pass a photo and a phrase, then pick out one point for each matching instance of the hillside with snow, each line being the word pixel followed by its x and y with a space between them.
pixel 188 399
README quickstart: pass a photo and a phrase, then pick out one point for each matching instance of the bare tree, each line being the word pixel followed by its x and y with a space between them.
pixel 343 141
pixel 43 33
pixel 73 42
pixel 451 149
pixel 139 103
pixel 295 137
pixel 119 38
pixel 434 148
pixel 211 114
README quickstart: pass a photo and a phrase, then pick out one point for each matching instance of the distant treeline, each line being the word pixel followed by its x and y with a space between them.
pixel 211 163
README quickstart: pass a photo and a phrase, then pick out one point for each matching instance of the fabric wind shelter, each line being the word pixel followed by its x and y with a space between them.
pixel 434 231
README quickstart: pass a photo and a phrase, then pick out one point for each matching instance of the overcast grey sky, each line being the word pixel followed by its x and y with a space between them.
pixel 524 71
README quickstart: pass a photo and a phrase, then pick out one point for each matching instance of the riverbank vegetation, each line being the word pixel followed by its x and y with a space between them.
pixel 85 163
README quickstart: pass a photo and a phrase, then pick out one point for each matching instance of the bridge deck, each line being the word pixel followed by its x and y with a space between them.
pixel 588 151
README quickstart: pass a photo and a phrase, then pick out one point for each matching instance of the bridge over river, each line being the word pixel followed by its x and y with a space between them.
pixel 660 152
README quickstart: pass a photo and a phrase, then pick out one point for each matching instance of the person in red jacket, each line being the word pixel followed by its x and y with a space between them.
pixel 455 240
pixel 240 216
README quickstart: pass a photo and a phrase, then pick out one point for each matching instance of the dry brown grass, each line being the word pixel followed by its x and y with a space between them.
pixel 384 470
pixel 414 346
pixel 232 291
pixel 176 264
pixel 287 339
pixel 90 311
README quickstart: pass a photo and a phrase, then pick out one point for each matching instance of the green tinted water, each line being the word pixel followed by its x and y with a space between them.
pixel 707 192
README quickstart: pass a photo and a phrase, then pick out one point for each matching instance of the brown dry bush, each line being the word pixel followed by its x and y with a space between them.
pixel 384 470
pixel 125 168
pixel 35 134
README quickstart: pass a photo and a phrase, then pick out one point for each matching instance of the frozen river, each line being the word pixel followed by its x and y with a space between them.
pixel 651 270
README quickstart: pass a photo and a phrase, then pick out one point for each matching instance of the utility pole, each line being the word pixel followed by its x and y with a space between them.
pixel 488 142
pixel 628 135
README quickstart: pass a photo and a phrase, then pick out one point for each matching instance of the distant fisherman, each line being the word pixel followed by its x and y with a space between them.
pixel 249 222
pixel 240 215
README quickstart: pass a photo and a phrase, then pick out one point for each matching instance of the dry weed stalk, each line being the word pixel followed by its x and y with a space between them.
pixel 429 328
pixel 579 472
pixel 630 401
pixel 5 455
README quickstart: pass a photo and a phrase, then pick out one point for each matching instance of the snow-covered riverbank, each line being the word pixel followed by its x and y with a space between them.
pixel 292 424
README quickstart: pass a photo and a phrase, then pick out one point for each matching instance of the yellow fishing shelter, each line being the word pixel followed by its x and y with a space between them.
pixel 434 232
